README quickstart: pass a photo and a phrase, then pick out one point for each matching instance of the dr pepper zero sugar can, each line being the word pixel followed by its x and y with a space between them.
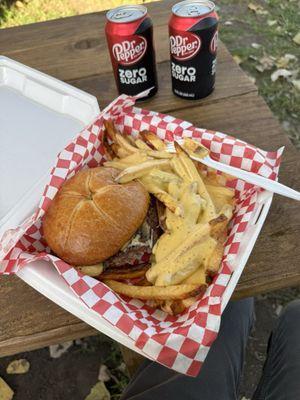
pixel 129 34
pixel 193 32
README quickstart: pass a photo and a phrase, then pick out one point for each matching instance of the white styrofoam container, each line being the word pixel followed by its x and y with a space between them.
pixel 29 100
pixel 39 115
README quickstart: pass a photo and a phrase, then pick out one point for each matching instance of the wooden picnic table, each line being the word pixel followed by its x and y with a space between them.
pixel 74 49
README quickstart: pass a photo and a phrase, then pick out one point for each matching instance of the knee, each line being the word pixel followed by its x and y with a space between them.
pixel 290 316
pixel 240 312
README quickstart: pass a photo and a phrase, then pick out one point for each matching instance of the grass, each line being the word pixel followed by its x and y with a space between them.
pixel 274 32
pixel 30 11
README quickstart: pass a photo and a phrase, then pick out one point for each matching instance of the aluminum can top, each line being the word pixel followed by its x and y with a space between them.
pixel 193 8
pixel 127 13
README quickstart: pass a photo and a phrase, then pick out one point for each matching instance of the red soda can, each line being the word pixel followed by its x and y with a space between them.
pixel 129 34
pixel 193 33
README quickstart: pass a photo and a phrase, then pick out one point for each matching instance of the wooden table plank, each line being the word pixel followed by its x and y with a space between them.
pixel 31 321
pixel 74 49
pixel 228 85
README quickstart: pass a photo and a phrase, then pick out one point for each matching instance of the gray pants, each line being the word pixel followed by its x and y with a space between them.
pixel 220 375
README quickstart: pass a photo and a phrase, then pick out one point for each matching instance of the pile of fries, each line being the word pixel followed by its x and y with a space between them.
pixel 194 210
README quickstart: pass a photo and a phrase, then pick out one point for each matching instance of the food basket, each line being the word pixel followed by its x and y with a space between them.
pixel 179 342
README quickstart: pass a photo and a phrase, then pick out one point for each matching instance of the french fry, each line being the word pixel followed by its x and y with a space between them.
pixel 189 301
pixel 192 203
pixel 185 264
pixel 135 158
pixel 153 292
pixel 174 190
pixel 140 144
pixel 131 140
pixel 213 264
pixel 134 271
pixel 124 143
pixel 172 307
pixel 185 257
pixel 193 147
pixel 179 168
pixel 193 175
pixel 220 223
pixel 162 196
pixel 163 176
pixel 91 270
pixel 137 171
pixel 122 152
pixel 153 140
pixel 221 196
pixel 159 154
pixel 109 154
pixel 197 278
pixel 143 282
pixel 110 129
pixel 115 164
pixel 153 185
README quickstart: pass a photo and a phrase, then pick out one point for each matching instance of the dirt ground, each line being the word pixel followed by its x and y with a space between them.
pixel 73 374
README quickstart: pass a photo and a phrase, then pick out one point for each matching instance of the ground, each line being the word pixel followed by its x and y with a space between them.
pixel 261 36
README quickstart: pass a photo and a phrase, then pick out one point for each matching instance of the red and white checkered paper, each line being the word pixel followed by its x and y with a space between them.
pixel 178 342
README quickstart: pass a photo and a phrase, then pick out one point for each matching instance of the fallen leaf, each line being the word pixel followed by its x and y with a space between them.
pixel 228 23
pixel 19 4
pixel 104 373
pixel 296 83
pixel 58 350
pixel 266 63
pixel 256 45
pixel 271 22
pixel 283 61
pixel 278 310
pixel 296 38
pixel 262 12
pixel 123 368
pixel 237 59
pixel 259 356
pixel 280 73
pixel 18 366
pixel 252 57
pixel 257 9
pixel 6 393
pixel 98 392
pixel 251 79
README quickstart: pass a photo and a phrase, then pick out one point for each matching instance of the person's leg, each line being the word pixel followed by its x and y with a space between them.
pixel 220 374
pixel 281 374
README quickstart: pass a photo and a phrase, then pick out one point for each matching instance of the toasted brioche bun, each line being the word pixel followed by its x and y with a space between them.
pixel 92 216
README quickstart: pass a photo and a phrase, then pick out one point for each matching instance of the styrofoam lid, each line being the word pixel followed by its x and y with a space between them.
pixel 39 115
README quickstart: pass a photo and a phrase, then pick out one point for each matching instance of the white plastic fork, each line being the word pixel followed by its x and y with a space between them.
pixel 250 177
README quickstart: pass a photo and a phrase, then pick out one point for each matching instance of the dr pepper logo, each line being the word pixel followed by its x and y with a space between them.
pixel 130 51
pixel 184 46
pixel 214 43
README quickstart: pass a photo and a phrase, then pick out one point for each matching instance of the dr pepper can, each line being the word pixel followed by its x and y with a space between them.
pixel 193 33
pixel 129 34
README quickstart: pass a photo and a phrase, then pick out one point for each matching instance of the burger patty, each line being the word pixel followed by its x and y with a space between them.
pixel 142 242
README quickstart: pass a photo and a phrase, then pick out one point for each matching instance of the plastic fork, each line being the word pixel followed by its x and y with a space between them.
pixel 250 177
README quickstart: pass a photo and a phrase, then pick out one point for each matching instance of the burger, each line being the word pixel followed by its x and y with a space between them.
pixel 93 219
